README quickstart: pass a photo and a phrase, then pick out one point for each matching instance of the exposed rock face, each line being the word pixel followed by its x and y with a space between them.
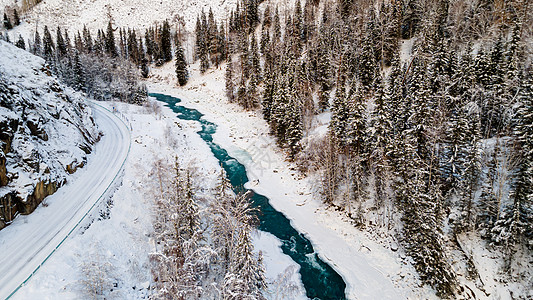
pixel 46 133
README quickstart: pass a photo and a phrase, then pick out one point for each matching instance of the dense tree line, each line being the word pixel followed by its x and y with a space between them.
pixel 204 247
pixel 440 137
pixel 110 64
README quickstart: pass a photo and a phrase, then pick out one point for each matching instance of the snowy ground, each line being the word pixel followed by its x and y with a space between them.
pixel 74 14
pixel 123 239
pixel 371 270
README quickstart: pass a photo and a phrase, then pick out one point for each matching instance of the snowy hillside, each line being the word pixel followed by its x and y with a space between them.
pixel 129 13
pixel 46 132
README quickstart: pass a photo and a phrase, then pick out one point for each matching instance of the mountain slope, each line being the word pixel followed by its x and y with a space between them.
pixel 46 132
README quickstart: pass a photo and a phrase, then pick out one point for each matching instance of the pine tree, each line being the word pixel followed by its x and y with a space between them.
pixel 60 42
pixel 267 17
pixel 48 45
pixel 87 40
pixel 204 62
pixel 242 95
pixel 37 44
pixel 265 40
pixel 181 65
pixel 294 126
pixel 20 43
pixel 79 73
pixel 368 67
pixel 339 114
pixel 276 33
pixel 323 70
pixel 230 85
pixel 253 56
pixel 252 13
pixel 16 18
pixel 68 44
pixel 166 45
pixel 267 98
pixel 380 134
pixel 110 47
pixel 7 22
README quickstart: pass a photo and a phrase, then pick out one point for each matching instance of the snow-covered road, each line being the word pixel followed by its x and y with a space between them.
pixel 30 240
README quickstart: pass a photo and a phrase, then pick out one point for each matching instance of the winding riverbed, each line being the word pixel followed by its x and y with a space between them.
pixel 319 279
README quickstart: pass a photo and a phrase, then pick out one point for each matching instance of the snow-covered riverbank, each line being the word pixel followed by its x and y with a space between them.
pixel 370 270
pixel 122 240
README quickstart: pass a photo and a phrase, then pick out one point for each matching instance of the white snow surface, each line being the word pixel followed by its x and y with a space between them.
pixel 370 270
pixel 74 14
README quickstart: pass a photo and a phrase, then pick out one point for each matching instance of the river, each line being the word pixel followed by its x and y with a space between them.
pixel 319 279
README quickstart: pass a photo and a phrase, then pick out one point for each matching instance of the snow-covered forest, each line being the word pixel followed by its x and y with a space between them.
pixel 413 119
pixel 431 108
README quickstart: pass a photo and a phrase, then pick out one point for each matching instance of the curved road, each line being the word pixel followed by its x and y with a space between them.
pixel 30 240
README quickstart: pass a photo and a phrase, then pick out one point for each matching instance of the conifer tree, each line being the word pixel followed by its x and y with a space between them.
pixel 20 43
pixel 339 114
pixel 267 98
pixel 204 62
pixel 79 73
pixel 230 85
pixel 267 17
pixel 16 18
pixel 166 45
pixel 265 40
pixel 276 33
pixel 48 45
pixel 181 65
pixel 367 62
pixel 294 126
pixel 380 137
pixel 60 42
pixel 253 56
pixel 110 47
pixel 7 22
pixel 37 44
pixel 87 40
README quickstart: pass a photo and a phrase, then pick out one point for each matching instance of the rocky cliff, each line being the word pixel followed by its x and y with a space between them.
pixel 46 132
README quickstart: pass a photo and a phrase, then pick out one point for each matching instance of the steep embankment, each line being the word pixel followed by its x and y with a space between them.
pixel 46 132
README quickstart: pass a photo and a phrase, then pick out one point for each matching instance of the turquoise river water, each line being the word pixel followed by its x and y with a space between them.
pixel 319 279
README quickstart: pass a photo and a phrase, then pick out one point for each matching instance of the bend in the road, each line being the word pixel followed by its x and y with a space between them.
pixel 31 240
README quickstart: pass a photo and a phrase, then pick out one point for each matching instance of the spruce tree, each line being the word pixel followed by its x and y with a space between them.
pixel 110 47
pixel 230 85
pixel 20 43
pixel 380 138
pixel 79 73
pixel 339 114
pixel 181 65
pixel 267 98
pixel 48 45
pixel 294 126
pixel 16 18
pixel 267 17
pixel 253 56
pixel 37 44
pixel 87 40
pixel 166 45
pixel 7 22
pixel 60 42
